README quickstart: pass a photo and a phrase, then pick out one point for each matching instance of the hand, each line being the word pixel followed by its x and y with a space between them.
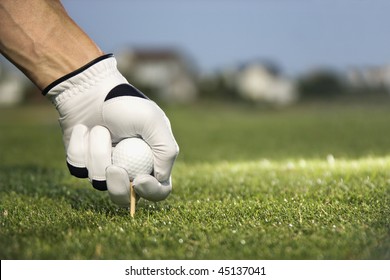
pixel 98 108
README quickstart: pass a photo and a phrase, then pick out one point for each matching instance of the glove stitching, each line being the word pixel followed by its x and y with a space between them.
pixel 80 88
pixel 73 88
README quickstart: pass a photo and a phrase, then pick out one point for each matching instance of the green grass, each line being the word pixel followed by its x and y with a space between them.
pixel 301 183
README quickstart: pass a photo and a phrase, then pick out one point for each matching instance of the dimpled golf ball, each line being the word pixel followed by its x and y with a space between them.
pixel 134 155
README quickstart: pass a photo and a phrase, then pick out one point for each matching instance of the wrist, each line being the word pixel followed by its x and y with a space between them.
pixel 92 80
pixel 53 66
pixel 88 67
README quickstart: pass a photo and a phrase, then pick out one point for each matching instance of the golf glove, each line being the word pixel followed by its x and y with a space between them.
pixel 97 109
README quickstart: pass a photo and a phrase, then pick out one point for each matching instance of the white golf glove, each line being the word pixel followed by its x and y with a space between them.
pixel 98 108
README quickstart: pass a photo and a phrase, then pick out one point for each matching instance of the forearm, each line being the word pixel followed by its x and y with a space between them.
pixel 41 39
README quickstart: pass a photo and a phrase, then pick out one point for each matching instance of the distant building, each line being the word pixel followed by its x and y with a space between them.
pixel 166 71
pixel 369 77
pixel 12 88
pixel 261 82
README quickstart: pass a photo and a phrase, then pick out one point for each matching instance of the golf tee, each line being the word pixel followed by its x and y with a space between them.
pixel 132 200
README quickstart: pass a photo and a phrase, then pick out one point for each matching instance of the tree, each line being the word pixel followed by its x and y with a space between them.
pixel 324 84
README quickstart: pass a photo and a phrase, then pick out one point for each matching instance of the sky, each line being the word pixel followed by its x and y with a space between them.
pixel 297 35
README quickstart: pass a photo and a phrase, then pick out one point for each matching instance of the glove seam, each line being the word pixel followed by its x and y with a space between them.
pixel 82 82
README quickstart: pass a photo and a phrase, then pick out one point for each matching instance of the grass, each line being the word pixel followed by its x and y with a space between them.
pixel 300 183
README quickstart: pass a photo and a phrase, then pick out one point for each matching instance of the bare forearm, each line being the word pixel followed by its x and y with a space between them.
pixel 42 40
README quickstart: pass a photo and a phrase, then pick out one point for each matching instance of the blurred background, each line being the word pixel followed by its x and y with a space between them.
pixel 273 53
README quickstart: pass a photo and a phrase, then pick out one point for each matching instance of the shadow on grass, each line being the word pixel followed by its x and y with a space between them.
pixel 39 182
pixel 58 185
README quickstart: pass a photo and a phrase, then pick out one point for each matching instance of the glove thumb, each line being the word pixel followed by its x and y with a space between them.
pixel 150 188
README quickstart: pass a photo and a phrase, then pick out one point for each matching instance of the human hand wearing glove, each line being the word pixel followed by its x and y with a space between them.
pixel 97 106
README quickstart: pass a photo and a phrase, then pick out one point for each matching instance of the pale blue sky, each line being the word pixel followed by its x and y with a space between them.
pixel 296 34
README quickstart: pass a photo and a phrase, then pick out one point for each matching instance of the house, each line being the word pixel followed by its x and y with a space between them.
pixel 369 77
pixel 167 72
pixel 12 88
pixel 262 82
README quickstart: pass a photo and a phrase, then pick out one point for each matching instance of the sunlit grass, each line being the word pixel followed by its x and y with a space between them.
pixel 248 184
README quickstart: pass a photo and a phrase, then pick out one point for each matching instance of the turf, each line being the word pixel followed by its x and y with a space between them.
pixel 299 183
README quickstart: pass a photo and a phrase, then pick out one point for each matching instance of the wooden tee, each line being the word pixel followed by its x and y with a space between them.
pixel 132 200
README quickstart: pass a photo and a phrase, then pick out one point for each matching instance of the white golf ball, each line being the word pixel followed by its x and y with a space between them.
pixel 134 155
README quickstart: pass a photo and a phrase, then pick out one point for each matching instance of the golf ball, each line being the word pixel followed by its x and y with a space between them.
pixel 134 155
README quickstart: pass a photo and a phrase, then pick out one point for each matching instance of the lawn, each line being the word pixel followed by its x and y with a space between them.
pixel 250 183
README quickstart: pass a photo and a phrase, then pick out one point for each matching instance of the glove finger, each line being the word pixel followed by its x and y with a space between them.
pixel 164 147
pixel 118 185
pixel 99 156
pixel 150 188
pixel 77 151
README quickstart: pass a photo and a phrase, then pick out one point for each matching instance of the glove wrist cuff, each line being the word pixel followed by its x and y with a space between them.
pixel 80 79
